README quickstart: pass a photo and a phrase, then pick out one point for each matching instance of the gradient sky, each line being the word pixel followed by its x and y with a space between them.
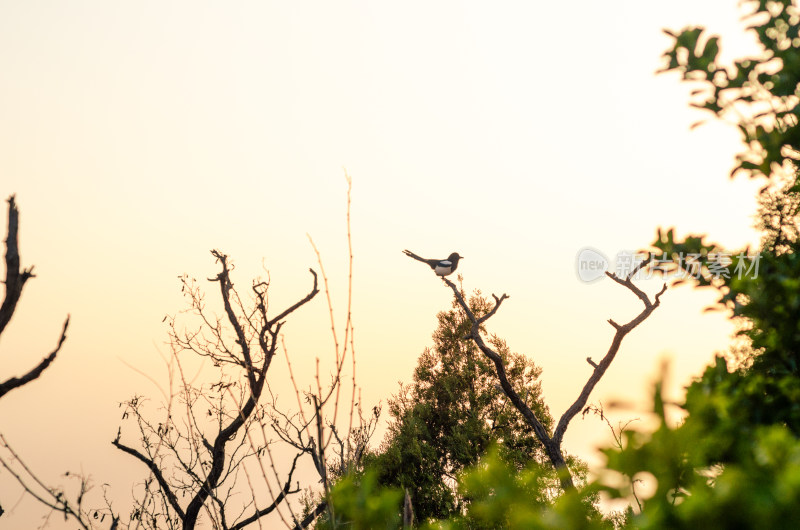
pixel 138 136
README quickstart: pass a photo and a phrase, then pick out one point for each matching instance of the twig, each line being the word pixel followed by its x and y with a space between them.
pixel 58 503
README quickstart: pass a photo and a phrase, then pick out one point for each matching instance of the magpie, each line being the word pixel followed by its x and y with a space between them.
pixel 442 267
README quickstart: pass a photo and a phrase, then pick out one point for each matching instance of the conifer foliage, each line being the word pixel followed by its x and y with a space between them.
pixel 453 411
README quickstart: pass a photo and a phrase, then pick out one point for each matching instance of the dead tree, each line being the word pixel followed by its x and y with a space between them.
pixel 552 441
pixel 195 455
pixel 15 281
pixel 191 472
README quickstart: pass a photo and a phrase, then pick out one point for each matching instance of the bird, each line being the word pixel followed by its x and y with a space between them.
pixel 442 267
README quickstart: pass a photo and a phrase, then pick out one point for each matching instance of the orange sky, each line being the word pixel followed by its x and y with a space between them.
pixel 139 136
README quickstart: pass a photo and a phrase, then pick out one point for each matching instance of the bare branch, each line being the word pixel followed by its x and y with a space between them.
pixel 209 466
pixel 225 287
pixel 308 297
pixel 287 489
pixel 552 444
pixel 618 435
pixel 490 314
pixel 35 372
pixel 15 279
pixel 602 366
pixel 153 467
pixel 639 266
pixel 204 452
pixel 552 449
pixel 52 498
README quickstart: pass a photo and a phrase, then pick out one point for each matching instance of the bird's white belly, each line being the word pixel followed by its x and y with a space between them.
pixel 442 270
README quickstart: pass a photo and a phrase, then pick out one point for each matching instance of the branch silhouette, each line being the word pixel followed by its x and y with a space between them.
pixel 552 442
pixel 15 281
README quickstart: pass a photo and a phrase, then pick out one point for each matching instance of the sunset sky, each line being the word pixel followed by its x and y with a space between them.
pixel 138 136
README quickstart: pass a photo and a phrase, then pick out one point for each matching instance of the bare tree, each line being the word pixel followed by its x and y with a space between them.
pixel 210 456
pixel 15 281
pixel 232 477
pixel 184 461
pixel 552 441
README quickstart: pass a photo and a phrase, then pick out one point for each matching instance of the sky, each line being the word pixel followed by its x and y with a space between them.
pixel 139 136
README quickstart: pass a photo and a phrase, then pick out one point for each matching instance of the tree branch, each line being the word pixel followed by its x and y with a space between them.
pixel 552 444
pixel 14 278
pixel 256 377
pixel 15 382
pixel 552 449
pixel 316 512
pixel 497 302
pixel 308 297
pixel 153 467
pixel 225 286
pixel 59 501
pixel 602 366
pixel 264 511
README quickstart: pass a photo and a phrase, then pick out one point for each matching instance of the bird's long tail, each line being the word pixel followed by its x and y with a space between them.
pixel 412 255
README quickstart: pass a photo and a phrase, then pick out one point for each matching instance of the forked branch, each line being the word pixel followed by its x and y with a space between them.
pixel 600 369
pixel 15 280
pixel 552 443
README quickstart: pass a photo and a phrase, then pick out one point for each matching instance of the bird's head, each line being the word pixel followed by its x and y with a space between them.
pixel 454 257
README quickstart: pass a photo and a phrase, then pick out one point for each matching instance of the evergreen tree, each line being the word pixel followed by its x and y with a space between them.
pixel 453 411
